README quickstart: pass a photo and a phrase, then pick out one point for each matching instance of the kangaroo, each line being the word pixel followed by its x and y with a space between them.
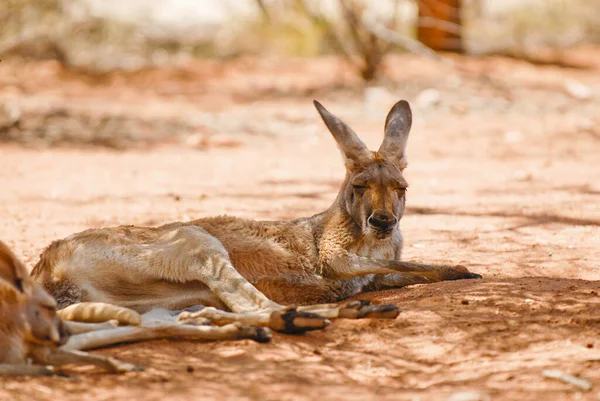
pixel 30 327
pixel 245 270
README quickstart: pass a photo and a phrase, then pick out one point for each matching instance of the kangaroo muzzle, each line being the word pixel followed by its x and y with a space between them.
pixel 382 221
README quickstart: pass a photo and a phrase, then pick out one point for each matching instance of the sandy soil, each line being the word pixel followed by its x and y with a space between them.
pixel 504 178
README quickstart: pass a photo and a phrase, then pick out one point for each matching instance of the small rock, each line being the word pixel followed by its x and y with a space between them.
pixel 578 90
pixel 586 124
pixel 582 384
pixel 428 98
pixel 460 108
pixel 197 140
pixel 376 97
pixel 468 396
pixel 10 113
pixel 513 136
pixel 522 175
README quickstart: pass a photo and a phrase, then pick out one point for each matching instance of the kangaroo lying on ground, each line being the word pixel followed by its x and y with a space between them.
pixel 31 329
pixel 243 270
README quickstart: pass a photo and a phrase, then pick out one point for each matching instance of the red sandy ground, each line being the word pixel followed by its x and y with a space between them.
pixel 504 178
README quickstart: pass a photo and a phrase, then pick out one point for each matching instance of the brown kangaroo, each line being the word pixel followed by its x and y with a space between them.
pixel 31 329
pixel 245 270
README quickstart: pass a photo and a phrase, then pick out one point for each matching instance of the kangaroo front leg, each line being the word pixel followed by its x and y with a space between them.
pixel 396 280
pixel 432 273
pixel 348 265
pixel 358 309
pixel 58 357
pixel 24 370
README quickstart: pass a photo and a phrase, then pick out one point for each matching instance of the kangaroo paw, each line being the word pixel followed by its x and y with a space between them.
pixel 123 367
pixel 365 309
pixel 258 334
pixel 460 272
pixel 292 321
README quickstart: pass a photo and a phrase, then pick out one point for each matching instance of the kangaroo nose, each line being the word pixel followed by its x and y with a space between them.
pixel 64 333
pixel 382 220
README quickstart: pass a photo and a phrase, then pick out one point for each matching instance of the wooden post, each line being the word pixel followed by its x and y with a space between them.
pixel 440 25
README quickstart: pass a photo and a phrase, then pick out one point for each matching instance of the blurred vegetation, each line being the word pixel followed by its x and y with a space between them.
pixel 526 27
pixel 69 30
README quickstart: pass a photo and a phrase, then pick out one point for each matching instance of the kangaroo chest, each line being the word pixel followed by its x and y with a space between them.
pixel 388 249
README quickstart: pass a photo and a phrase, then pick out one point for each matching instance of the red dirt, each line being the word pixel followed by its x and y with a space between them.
pixel 503 177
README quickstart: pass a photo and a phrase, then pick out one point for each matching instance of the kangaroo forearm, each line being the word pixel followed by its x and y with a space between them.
pixel 350 265
pixel 24 370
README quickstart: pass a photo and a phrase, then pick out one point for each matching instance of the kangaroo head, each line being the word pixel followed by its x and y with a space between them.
pixel 27 298
pixel 374 191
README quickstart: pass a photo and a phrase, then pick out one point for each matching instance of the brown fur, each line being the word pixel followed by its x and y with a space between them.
pixel 30 327
pixel 245 265
pixel 27 313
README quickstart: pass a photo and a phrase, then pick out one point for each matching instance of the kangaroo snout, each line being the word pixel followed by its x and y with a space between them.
pixel 49 331
pixel 64 333
pixel 382 220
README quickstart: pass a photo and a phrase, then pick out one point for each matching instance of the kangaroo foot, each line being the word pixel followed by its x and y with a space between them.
pixel 365 309
pixel 292 321
pixel 123 367
pixel 258 334
pixel 460 272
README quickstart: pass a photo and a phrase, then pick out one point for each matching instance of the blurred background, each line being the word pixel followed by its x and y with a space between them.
pixel 101 36
pixel 94 39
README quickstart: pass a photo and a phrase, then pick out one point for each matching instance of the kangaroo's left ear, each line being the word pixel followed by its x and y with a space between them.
pixel 397 128
pixel 353 149
pixel 11 269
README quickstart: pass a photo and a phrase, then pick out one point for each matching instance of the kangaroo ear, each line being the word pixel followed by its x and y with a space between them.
pixel 11 269
pixel 397 128
pixel 351 146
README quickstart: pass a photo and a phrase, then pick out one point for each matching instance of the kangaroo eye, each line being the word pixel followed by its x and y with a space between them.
pixel 19 284
pixel 49 308
pixel 359 187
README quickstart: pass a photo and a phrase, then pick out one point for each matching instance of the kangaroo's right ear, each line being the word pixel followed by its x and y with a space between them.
pixel 351 146
pixel 397 128
pixel 11 269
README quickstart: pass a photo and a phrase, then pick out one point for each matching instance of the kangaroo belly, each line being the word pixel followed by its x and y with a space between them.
pixel 143 297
